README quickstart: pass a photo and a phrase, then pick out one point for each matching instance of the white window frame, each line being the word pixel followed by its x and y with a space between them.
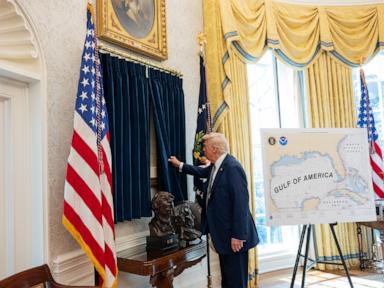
pixel 280 256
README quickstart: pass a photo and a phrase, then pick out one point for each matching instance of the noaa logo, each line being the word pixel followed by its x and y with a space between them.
pixel 283 141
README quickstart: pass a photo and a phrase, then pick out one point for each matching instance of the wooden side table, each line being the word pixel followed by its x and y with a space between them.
pixel 164 268
pixel 379 225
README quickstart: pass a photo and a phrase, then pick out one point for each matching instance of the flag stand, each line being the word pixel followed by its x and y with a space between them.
pixel 307 228
pixel 209 276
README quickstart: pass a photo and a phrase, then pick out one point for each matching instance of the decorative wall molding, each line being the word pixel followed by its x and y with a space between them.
pixel 74 268
pixel 16 38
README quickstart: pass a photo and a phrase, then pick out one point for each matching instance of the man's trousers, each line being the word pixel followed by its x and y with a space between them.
pixel 234 270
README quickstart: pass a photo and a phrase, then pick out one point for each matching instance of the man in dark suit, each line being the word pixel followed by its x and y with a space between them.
pixel 226 217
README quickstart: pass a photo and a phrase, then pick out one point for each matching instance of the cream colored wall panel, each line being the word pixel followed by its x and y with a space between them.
pixel 18 233
pixel 60 28
pixel 3 187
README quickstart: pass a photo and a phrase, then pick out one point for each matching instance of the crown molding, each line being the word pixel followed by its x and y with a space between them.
pixel 16 38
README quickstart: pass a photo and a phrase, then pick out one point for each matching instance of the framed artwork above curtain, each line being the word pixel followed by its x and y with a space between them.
pixel 138 25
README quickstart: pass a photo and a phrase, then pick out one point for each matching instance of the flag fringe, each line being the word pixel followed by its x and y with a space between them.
pixel 75 234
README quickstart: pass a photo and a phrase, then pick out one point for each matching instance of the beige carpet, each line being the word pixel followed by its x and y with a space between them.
pixel 318 279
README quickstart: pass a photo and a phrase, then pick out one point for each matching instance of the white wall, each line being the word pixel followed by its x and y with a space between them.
pixel 61 30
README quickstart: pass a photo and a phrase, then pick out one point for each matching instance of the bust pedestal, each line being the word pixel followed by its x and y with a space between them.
pixel 159 245
pixel 164 268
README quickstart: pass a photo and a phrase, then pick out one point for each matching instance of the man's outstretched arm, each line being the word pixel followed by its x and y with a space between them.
pixel 202 172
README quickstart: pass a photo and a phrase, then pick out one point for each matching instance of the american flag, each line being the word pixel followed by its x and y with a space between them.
pixel 366 120
pixel 88 202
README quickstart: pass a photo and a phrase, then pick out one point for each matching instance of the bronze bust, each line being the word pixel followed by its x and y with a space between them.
pixel 162 206
pixel 184 222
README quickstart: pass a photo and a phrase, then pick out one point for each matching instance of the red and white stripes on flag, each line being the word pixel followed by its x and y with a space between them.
pixel 88 203
pixel 366 120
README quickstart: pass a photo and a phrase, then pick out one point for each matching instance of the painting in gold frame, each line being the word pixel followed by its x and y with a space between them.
pixel 135 24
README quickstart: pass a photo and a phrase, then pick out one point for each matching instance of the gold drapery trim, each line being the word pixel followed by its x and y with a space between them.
pixel 330 105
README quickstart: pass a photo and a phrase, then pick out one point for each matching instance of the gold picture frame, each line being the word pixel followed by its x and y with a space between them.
pixel 138 25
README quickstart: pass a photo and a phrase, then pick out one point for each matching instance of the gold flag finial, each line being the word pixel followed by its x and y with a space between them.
pixel 201 38
pixel 202 41
pixel 361 62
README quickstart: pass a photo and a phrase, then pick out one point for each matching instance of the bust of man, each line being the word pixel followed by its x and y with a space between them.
pixel 162 206
pixel 185 222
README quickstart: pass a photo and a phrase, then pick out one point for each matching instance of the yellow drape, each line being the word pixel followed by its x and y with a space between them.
pixel 330 105
pixel 299 32
pixel 236 123
pixel 296 33
pixel 237 130
pixel 240 31
pixel 330 94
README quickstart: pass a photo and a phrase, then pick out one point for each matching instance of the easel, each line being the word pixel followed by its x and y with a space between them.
pixel 307 228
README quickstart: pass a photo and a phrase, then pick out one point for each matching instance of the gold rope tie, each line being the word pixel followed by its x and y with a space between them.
pixel 99 130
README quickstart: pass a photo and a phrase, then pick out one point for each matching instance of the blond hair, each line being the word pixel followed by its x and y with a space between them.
pixel 217 141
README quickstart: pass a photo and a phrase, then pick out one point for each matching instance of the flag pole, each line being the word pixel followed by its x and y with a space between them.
pixel 98 279
pixel 209 276
pixel 203 126
pixel 367 105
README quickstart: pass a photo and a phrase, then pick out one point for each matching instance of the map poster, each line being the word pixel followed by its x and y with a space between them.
pixel 317 176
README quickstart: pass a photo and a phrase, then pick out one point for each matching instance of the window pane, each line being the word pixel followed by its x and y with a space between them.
pixel 288 97
pixel 273 103
pixel 264 113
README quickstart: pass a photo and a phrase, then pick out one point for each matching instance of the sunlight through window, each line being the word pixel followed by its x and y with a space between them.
pixel 274 92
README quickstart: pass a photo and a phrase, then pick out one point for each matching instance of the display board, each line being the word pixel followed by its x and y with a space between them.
pixel 317 176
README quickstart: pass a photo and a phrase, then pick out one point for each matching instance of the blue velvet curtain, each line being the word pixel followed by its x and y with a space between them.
pixel 169 115
pixel 133 93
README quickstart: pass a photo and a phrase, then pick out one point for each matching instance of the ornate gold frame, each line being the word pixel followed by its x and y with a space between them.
pixel 109 28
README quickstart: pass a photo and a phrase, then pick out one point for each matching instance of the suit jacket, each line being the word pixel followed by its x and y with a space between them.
pixel 227 215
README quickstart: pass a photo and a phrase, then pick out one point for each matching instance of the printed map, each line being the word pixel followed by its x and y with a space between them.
pixel 317 176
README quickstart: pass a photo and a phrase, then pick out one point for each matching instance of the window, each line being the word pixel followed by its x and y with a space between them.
pixel 274 90
pixel 374 77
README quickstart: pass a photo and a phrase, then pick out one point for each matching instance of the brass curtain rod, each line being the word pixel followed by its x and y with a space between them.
pixel 119 53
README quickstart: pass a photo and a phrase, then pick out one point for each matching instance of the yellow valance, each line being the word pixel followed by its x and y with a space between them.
pixel 297 33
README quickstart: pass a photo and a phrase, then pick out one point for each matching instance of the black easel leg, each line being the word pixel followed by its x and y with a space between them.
pixel 306 255
pixel 298 256
pixel 341 253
